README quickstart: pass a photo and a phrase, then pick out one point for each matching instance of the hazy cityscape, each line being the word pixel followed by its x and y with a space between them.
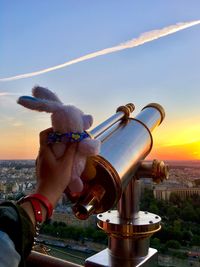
pixel 17 178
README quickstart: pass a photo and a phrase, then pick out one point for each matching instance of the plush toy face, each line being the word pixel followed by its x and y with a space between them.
pixel 70 119
pixel 67 120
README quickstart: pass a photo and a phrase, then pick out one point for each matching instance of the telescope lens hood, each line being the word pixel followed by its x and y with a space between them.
pixel 158 107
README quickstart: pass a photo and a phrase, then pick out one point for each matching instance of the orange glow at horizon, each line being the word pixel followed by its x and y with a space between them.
pixel 16 145
pixel 189 151
pixel 177 140
pixel 23 147
pixel 171 141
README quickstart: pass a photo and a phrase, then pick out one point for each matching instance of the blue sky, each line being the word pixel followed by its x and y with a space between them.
pixel 40 34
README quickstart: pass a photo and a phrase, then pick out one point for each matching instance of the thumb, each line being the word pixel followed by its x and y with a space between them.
pixel 44 136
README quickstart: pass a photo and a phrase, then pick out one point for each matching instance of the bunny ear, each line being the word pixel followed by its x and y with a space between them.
pixel 87 121
pixel 38 104
pixel 44 93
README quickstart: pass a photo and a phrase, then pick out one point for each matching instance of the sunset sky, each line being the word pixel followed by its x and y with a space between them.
pixel 36 35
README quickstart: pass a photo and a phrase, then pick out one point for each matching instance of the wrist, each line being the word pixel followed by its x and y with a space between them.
pixel 52 195
pixel 27 206
pixel 38 208
pixel 41 207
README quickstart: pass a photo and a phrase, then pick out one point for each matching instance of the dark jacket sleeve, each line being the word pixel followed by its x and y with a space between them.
pixel 16 223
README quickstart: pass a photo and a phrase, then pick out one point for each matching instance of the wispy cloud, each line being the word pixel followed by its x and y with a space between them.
pixel 9 94
pixel 4 94
pixel 17 124
pixel 10 121
pixel 142 39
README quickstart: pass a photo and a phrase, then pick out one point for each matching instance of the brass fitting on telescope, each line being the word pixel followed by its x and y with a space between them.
pixel 156 169
pixel 90 203
pixel 128 239
pixel 127 109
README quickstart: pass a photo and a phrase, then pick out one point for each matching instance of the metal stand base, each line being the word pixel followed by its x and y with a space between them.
pixel 104 259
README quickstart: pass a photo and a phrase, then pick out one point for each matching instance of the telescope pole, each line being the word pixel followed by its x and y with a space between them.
pixel 128 206
pixel 129 229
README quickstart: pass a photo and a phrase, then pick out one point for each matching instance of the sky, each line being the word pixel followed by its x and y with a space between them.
pixel 36 35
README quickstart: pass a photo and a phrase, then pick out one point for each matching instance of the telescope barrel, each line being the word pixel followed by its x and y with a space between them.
pixel 125 142
pixel 130 142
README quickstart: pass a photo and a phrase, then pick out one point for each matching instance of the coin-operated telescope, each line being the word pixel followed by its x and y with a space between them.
pixel 112 180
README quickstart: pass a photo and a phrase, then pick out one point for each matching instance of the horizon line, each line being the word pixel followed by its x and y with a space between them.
pixel 144 159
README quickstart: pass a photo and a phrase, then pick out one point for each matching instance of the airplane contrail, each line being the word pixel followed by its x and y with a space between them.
pixel 142 39
pixel 9 94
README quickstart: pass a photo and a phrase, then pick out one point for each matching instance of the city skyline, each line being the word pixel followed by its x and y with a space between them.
pixel 39 35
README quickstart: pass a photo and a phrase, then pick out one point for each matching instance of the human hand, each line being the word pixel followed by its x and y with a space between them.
pixel 53 174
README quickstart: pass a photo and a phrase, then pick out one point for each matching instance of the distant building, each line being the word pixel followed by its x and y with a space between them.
pixel 70 219
pixel 15 187
pixel 161 192
pixel 2 187
pixel 146 183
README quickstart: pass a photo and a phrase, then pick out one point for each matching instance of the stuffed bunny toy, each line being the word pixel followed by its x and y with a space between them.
pixel 69 124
